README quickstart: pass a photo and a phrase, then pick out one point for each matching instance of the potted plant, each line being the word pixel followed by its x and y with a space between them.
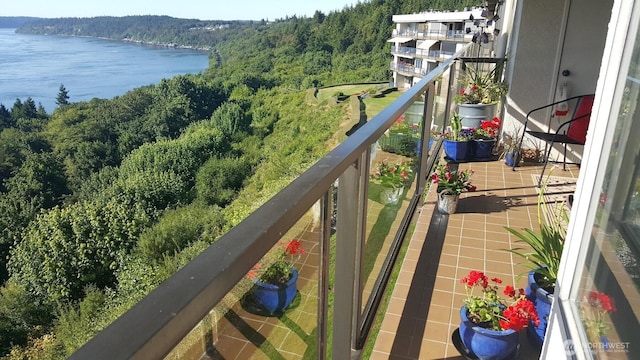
pixel 393 177
pixel 456 140
pixel 489 324
pixel 485 138
pixel 401 138
pixel 542 257
pixel 450 184
pixel 510 143
pixel 482 90
pixel 274 277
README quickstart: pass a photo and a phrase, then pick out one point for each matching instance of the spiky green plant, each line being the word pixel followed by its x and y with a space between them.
pixel 546 245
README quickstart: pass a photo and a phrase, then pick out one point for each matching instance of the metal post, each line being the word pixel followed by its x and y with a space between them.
pixel 427 116
pixel 344 311
pixel 326 205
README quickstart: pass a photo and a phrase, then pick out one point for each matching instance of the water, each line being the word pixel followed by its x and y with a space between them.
pixel 36 65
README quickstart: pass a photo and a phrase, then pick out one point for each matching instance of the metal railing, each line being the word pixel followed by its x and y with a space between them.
pixel 162 320
pixel 451 35
pixel 408 69
pixel 423 53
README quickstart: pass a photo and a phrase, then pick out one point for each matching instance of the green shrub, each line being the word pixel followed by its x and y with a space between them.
pixel 219 180
pixel 407 146
pixel 22 316
pixel 179 228
pixel 76 325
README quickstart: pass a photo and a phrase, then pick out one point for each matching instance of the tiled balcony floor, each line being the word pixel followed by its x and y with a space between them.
pixel 424 310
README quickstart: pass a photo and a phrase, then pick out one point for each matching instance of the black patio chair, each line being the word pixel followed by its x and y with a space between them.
pixel 572 131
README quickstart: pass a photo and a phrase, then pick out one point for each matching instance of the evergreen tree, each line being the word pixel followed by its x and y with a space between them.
pixel 63 96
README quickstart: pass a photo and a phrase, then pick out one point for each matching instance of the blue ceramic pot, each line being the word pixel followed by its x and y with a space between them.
pixel 511 158
pixel 483 149
pixel 456 150
pixel 487 344
pixel 542 300
pixel 275 298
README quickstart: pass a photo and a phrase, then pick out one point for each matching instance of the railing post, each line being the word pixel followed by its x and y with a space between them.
pixel 427 116
pixel 345 294
pixel 447 108
pixel 326 206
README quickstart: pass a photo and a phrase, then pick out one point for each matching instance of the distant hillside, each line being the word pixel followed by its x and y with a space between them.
pixel 148 29
pixel 13 22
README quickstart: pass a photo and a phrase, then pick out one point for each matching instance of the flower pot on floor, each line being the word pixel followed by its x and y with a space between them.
pixel 447 202
pixel 473 114
pixel 483 149
pixel 487 344
pixel 542 300
pixel 512 158
pixel 275 298
pixel 456 150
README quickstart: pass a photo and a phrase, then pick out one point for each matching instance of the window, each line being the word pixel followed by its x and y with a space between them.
pixel 605 291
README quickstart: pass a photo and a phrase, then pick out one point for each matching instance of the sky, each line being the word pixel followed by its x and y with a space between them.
pixel 190 9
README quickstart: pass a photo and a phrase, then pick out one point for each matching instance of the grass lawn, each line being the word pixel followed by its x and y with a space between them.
pixel 374 105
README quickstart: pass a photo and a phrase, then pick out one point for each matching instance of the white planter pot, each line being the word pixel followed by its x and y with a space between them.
pixel 447 202
pixel 473 114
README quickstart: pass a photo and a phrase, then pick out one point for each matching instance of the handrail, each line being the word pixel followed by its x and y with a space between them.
pixel 156 324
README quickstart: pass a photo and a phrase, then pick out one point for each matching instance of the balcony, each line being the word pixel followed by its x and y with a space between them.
pixel 424 309
pixel 411 52
pixel 449 35
pixel 350 301
pixel 408 70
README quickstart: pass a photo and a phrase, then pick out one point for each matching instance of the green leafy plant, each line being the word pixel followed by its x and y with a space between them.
pixel 393 176
pixel 457 133
pixel 511 141
pixel 481 87
pixel 545 246
pixel 490 311
pixel 456 125
pixel 452 182
pixel 276 267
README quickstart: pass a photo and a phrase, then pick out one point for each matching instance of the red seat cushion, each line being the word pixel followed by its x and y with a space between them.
pixel 578 129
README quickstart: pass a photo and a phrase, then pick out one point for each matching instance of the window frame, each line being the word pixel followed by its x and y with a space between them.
pixel 565 322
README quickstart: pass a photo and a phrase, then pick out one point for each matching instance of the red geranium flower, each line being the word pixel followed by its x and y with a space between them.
pixel 490 311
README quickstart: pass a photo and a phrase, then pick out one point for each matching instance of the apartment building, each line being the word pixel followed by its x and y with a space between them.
pixel 421 41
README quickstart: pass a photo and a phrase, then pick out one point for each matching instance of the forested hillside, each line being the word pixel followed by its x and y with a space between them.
pixel 102 200
pixel 15 22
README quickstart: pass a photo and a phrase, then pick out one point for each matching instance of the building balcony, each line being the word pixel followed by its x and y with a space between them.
pixel 411 52
pixel 379 279
pixel 408 70
pixel 449 35
pixel 423 312
pixel 422 309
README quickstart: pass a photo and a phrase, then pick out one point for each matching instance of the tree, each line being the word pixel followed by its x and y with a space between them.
pixel 66 249
pixel 63 96
pixel 5 118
